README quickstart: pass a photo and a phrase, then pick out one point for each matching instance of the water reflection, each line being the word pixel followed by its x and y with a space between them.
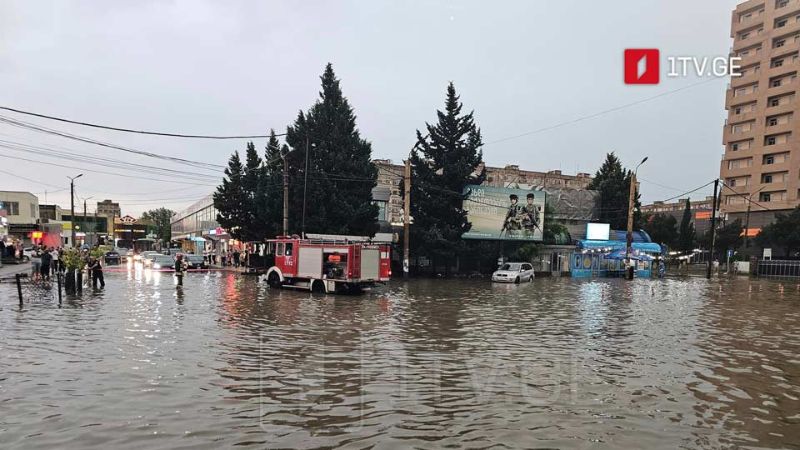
pixel 223 360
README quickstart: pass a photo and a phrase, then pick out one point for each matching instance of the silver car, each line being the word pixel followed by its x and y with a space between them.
pixel 513 273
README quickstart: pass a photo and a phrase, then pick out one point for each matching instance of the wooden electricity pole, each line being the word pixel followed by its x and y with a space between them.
pixel 286 194
pixel 713 229
pixel 406 217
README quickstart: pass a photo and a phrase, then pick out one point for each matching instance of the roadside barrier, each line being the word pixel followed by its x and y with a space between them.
pixel 36 289
pixel 778 268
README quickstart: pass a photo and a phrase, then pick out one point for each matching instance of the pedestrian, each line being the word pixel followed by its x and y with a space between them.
pixel 236 255
pixel 96 269
pixel 54 261
pixel 662 269
pixel 36 262
pixel 47 258
pixel 180 267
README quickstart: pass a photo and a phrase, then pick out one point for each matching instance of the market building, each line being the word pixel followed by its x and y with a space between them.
pixel 196 229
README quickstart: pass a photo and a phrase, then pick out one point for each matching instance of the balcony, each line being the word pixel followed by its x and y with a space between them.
pixel 780 109
pixel 751 58
pixel 749 78
pixel 730 100
pixel 729 136
pixel 743 117
pixel 787 29
pixel 788 48
pixel 777 129
pixel 751 40
pixel 786 69
pixel 784 88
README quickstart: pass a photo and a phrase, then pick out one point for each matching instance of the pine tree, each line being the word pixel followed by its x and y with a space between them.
pixel 340 174
pixel 269 209
pixel 686 233
pixel 662 229
pixel 613 183
pixel 442 163
pixel 251 228
pixel 229 198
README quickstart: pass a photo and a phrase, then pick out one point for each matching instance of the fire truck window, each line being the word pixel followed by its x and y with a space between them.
pixel 280 249
pixel 288 249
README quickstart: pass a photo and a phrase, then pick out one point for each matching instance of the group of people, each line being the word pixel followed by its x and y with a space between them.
pixel 47 262
pixel 234 258
pixel 522 220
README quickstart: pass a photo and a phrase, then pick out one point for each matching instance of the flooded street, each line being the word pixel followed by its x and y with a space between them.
pixel 557 363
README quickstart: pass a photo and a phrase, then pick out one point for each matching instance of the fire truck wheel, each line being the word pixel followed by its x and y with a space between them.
pixel 318 287
pixel 274 280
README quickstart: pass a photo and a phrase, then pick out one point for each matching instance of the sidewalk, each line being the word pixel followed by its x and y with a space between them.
pixel 9 270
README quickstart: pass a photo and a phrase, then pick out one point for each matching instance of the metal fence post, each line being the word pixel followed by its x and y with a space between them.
pixel 19 289
pixel 58 277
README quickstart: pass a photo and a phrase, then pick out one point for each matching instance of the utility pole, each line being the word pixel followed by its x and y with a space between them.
pixel 72 207
pixel 406 217
pixel 629 237
pixel 286 194
pixel 305 187
pixel 713 228
pixel 85 229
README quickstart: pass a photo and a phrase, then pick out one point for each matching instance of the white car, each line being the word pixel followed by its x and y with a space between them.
pixel 513 273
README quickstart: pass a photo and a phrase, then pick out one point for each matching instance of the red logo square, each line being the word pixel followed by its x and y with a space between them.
pixel 641 66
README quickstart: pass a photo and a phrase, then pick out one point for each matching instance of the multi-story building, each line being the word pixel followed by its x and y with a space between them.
pixel 109 209
pixel 19 214
pixel 761 164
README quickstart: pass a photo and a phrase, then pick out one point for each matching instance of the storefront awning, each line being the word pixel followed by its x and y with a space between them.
pixel 647 247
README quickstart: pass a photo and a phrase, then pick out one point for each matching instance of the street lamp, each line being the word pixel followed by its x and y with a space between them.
pixel 631 202
pixel 72 206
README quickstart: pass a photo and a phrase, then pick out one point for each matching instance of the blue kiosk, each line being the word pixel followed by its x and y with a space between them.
pixel 606 257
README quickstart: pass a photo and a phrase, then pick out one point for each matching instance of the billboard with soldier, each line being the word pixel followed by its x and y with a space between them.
pixel 502 213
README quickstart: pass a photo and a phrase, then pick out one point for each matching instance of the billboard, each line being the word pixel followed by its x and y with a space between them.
pixel 598 231
pixel 504 214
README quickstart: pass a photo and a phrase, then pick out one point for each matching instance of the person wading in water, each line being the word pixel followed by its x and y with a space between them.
pixel 180 267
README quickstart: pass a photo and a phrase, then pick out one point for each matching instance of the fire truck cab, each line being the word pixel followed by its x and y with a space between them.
pixel 328 263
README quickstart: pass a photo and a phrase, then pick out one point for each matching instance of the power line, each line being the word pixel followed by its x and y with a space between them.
pixel 33 127
pixel 600 113
pixel 127 130
pixel 689 192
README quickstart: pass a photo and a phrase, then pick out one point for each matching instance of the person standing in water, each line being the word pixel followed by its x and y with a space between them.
pixel 180 267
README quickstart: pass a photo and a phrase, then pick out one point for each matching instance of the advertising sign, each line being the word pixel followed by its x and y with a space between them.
pixel 598 231
pixel 504 214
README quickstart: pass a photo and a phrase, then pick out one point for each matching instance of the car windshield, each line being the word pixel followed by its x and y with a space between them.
pixel 163 259
pixel 512 267
pixel 195 258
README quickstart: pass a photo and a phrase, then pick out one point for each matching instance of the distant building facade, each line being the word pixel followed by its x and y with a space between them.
pixel 109 209
pixel 700 210
pixel 19 214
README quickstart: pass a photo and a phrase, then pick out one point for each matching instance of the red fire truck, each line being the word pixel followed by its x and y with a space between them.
pixel 328 263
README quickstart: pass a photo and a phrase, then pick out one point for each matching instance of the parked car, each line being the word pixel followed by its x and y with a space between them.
pixel 513 273
pixel 163 262
pixel 195 261
pixel 112 257
pixel 147 260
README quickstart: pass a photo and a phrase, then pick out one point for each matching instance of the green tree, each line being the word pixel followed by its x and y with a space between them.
pixel 443 162
pixel 340 173
pixel 553 231
pixel 162 222
pixel 686 233
pixel 728 237
pixel 783 233
pixel 613 183
pixel 229 198
pixel 269 208
pixel 662 228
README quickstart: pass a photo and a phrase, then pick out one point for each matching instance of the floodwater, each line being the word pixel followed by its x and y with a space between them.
pixel 558 363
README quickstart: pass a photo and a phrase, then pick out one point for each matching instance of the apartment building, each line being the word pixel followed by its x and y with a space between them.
pixel 761 163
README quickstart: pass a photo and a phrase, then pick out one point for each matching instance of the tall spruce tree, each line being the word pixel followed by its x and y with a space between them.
pixel 686 233
pixel 229 198
pixel 340 175
pixel 269 209
pixel 613 183
pixel 662 229
pixel 252 227
pixel 443 162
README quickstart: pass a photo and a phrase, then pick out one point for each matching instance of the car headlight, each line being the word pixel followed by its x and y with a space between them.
pixel 156 266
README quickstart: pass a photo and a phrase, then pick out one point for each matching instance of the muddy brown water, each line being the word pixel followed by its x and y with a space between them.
pixel 558 363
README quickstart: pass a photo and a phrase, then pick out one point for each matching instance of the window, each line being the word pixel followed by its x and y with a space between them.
pixel 765 197
pixel 775 83
pixel 289 246
pixel 744 36
pixel 774 102
pixel 732 182
pixel 772 121
pixel 738 110
pixel 781 4
pixel 12 208
pixel 766 179
pixel 769 160
pixel 735 147
pixel 777 63
pixel 780 24
pixel 381 211
pixel 279 249
pixel 771 140
pixel 780 43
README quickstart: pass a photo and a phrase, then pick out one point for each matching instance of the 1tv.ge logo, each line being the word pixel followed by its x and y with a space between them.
pixel 643 66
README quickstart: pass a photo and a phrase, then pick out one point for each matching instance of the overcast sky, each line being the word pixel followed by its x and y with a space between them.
pixel 210 67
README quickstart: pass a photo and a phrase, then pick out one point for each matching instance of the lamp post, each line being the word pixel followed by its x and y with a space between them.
pixel 747 216
pixel 72 206
pixel 86 229
pixel 631 203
